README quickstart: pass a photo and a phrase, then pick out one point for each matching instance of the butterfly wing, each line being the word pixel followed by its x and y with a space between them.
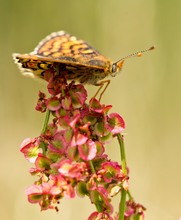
pixel 80 60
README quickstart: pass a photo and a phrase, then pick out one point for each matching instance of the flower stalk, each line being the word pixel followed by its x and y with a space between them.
pixel 124 169
pixel 45 124
pixel 69 155
pixel 122 152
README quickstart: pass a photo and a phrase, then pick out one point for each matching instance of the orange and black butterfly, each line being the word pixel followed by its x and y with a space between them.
pixel 75 58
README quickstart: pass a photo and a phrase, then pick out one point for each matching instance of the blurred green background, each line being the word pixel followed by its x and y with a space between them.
pixel 146 93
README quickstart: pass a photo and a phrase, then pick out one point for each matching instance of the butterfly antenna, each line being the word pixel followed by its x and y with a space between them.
pixel 138 54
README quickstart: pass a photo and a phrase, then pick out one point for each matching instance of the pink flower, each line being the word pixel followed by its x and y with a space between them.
pixel 58 143
pixel 115 123
pixel 53 103
pixel 87 150
pixel 100 216
pixel 69 156
pixel 134 211
pixel 41 103
pixel 111 172
pixel 100 197
pixel 30 149
pixel 73 169
pixel 42 193
pixel 42 163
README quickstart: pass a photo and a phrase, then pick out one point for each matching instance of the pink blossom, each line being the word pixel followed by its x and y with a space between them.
pixel 115 123
pixel 30 148
pixel 41 194
pixel 87 150
pixel 100 216
pixel 69 156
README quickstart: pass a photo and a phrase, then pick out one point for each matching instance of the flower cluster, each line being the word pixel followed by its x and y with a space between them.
pixel 134 210
pixel 69 156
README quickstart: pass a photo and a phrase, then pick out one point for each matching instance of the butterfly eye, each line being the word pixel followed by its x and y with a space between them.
pixel 114 69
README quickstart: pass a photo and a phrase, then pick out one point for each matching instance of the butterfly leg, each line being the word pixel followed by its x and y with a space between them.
pixel 101 84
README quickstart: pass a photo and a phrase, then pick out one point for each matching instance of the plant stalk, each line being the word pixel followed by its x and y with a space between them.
pixel 46 121
pixel 123 163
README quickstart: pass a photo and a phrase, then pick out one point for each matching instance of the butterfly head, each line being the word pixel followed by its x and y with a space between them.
pixel 116 67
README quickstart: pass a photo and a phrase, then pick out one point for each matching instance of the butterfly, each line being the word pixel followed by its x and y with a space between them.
pixel 76 59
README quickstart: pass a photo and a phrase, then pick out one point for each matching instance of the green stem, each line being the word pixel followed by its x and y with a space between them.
pixel 123 163
pixel 122 204
pixel 43 145
pixel 46 122
pixel 92 166
pixel 130 196
pixel 122 150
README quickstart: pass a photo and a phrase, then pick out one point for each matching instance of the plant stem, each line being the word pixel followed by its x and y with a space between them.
pixel 122 204
pixel 47 116
pixel 130 196
pixel 122 151
pixel 92 166
pixel 46 121
pixel 123 163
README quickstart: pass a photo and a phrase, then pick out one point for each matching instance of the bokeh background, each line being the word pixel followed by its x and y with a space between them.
pixel 146 93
